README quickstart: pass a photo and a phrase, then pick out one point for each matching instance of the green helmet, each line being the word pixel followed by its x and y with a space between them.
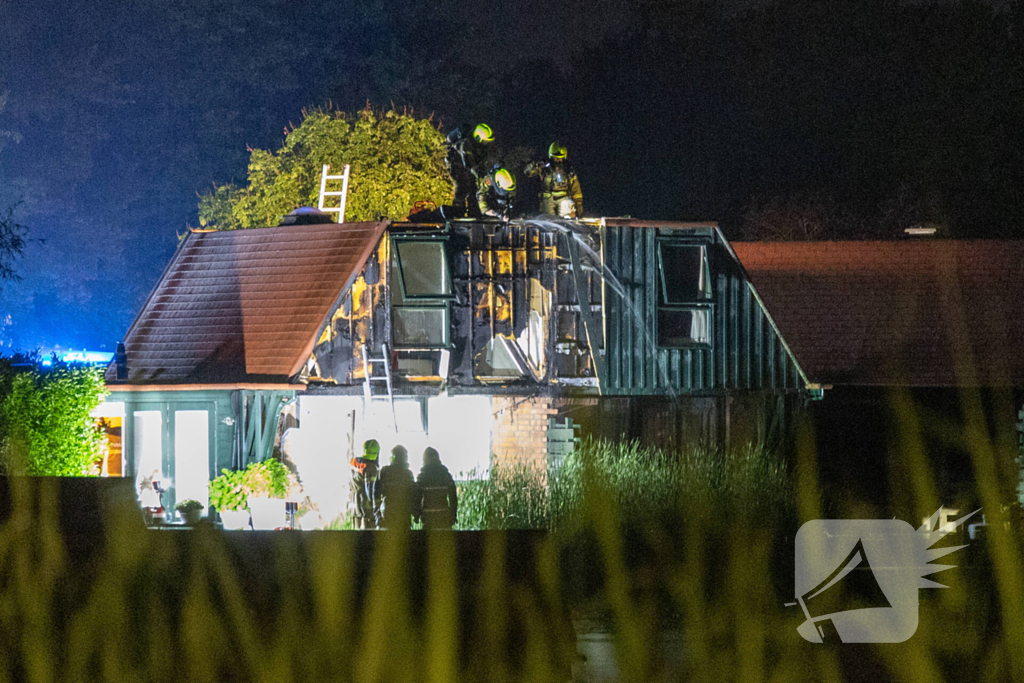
pixel 557 151
pixel 371 449
pixel 483 133
pixel 504 179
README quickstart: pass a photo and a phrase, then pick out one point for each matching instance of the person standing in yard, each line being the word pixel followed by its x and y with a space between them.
pixel 438 498
pixel 397 491
pixel 365 494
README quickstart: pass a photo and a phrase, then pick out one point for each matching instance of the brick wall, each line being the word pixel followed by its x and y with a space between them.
pixel 520 434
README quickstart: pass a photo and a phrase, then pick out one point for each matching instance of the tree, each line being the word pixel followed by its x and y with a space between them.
pixel 396 160
pixel 45 423
pixel 12 243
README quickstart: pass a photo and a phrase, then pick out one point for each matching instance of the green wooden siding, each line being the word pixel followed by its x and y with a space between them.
pixel 241 425
pixel 745 351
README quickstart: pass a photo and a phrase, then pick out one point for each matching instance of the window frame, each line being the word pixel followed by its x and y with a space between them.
pixel 441 302
pixel 397 258
pixel 704 304
pixel 446 329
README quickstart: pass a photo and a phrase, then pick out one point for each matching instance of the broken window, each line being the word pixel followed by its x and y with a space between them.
pixel 420 299
pixel 421 326
pixel 684 273
pixel 684 298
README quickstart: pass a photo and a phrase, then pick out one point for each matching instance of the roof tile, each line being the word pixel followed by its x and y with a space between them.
pixel 242 305
pixel 918 313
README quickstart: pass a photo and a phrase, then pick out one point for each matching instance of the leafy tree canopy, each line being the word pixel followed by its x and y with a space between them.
pixel 396 160
pixel 45 423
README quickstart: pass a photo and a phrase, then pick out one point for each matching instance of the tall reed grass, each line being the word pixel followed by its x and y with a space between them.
pixel 498 606
pixel 649 486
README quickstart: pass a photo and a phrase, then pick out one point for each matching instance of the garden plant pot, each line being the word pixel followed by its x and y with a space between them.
pixel 192 517
pixel 235 519
pixel 267 513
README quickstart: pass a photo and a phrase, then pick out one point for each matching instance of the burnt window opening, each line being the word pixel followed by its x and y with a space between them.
pixel 420 294
pixel 422 327
pixel 684 296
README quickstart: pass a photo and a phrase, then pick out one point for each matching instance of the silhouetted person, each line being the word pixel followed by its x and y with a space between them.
pixel 397 489
pixel 439 501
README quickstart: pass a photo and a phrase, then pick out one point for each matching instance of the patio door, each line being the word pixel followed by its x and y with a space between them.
pixel 191 471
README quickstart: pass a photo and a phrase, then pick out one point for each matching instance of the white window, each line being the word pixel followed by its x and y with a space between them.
pixel 149 432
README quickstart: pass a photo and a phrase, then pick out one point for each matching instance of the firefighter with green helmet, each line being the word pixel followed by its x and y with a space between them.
pixel 365 494
pixel 467 162
pixel 560 193
pixel 495 192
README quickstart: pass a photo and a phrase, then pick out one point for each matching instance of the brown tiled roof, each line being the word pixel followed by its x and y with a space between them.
pixel 909 313
pixel 244 305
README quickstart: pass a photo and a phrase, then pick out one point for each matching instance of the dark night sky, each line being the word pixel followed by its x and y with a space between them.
pixel 868 112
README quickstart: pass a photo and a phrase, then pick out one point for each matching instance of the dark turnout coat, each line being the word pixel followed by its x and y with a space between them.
pixel 438 498
pixel 398 492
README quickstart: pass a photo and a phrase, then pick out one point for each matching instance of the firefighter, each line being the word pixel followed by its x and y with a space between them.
pixel 495 191
pixel 467 161
pixel 560 193
pixel 438 498
pixel 397 491
pixel 365 494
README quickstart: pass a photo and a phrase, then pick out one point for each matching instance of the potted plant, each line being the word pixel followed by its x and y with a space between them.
pixel 267 484
pixel 191 511
pixel 228 494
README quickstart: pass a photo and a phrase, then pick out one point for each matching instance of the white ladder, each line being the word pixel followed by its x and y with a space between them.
pixel 369 396
pixel 341 194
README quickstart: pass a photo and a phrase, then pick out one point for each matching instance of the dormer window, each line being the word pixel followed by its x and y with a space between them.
pixel 423 269
pixel 684 295
pixel 420 293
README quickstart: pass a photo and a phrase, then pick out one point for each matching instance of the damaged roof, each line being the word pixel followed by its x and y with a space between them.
pixel 936 313
pixel 244 305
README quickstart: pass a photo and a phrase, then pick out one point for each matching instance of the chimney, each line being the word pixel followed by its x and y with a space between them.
pixel 121 359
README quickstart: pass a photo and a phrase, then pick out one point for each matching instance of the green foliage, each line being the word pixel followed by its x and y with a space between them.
pixel 396 160
pixel 267 479
pixel 645 484
pixel 188 505
pixel 227 491
pixel 511 498
pixel 45 423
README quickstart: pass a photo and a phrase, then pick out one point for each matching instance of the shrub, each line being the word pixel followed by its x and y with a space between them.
pixel 188 505
pixel 45 424
pixel 227 492
pixel 269 479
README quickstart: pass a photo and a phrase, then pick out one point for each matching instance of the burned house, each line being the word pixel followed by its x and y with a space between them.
pixel 488 340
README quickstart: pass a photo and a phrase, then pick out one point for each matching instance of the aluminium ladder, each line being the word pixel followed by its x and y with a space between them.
pixel 369 395
pixel 342 194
